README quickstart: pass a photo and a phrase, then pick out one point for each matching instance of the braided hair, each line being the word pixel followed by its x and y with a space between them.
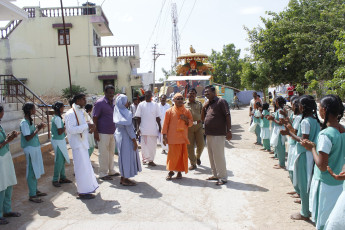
pixel 309 107
pixel 281 102
pixel 333 105
pixel 295 103
pixel 27 107
pixel 57 106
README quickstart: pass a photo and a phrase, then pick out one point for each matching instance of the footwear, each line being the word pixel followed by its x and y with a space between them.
pixel 56 184
pixel 151 163
pixel 298 216
pixel 163 152
pixel 170 175
pixel 212 178
pixel 127 182
pixel 179 175
pixel 192 167
pixel 65 181
pixel 35 199
pixel 3 221
pixel 12 214
pixel 106 178
pixel 295 196
pixel 278 167
pixel 198 161
pixel 115 174
pixel 86 196
pixel 221 182
pixel 38 193
pixel 144 163
pixel 291 193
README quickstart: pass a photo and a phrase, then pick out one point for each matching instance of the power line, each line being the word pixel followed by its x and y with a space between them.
pixel 181 8
pixel 154 28
pixel 190 13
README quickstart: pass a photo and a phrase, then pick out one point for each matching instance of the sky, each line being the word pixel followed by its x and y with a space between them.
pixel 206 24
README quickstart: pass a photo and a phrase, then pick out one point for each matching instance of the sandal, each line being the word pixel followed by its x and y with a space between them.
pixel 221 182
pixel 3 221
pixel 38 193
pixel 65 181
pixel 170 175
pixel 56 184
pixel 212 178
pixel 106 178
pixel 115 174
pixel 179 175
pixel 127 182
pixel 291 193
pixel 297 201
pixel 88 196
pixel 35 199
pixel 12 214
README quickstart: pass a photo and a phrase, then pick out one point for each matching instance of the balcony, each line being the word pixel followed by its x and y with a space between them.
pixel 121 51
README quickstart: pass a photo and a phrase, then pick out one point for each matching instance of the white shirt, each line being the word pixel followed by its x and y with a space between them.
pixel 163 109
pixel 133 109
pixel 148 112
pixel 253 101
pixel 74 130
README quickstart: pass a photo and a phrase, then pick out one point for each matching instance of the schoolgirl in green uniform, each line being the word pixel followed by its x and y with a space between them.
pixel 303 166
pixel 279 143
pixel 7 174
pixel 325 190
pixel 265 127
pixel 59 144
pixel 32 149
pixel 257 121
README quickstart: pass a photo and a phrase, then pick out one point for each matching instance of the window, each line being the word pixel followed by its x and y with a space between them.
pixel 61 36
pixel 96 39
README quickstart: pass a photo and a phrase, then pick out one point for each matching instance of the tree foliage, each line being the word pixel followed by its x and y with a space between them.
pixel 227 66
pixel 255 75
pixel 298 43
pixel 76 89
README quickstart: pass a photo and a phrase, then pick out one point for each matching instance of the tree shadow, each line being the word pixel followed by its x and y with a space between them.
pixel 99 206
pixel 144 189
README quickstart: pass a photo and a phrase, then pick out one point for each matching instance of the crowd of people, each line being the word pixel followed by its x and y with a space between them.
pixel 111 120
pixel 316 158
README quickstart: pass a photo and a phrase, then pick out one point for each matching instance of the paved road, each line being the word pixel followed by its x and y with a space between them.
pixel 254 198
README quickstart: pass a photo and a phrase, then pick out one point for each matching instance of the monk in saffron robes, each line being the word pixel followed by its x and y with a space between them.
pixel 175 133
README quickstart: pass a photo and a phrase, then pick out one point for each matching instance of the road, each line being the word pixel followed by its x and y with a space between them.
pixel 254 197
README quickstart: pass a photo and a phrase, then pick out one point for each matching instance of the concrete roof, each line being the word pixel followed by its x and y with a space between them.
pixel 9 11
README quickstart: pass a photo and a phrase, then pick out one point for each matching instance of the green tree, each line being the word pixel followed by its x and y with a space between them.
pixel 256 76
pixel 66 93
pixel 300 40
pixel 227 66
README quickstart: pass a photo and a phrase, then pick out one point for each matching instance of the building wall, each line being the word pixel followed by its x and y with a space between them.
pixel 32 52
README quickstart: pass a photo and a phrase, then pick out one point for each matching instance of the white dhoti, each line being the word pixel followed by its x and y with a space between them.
pixel 160 140
pixel 84 174
pixel 148 147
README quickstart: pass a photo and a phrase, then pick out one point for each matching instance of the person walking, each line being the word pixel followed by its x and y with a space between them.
pixel 104 133
pixel 148 116
pixel 217 119
pixel 129 161
pixel 77 133
pixel 195 132
pixel 175 133
pixel 163 107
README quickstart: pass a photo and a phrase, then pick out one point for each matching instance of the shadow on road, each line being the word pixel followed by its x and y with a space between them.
pixel 99 206
pixel 245 187
pixel 207 171
pixel 144 189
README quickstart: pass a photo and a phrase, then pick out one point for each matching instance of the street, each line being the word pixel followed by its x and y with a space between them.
pixel 254 197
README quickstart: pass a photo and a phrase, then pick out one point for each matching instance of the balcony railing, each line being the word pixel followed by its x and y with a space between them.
pixel 13 90
pixel 118 51
pixel 68 11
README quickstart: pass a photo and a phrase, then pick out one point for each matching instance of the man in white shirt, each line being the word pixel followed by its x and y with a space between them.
pixel 148 116
pixel 163 107
pixel 77 132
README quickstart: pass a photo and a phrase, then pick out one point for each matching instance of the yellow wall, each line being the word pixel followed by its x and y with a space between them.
pixel 32 52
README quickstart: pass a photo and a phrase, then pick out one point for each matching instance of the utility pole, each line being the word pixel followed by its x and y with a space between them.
pixel 66 46
pixel 155 56
pixel 175 37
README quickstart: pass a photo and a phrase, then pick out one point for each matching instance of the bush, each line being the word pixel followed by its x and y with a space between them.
pixel 66 93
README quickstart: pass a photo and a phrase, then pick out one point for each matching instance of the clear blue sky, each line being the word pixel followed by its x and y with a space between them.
pixel 205 24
